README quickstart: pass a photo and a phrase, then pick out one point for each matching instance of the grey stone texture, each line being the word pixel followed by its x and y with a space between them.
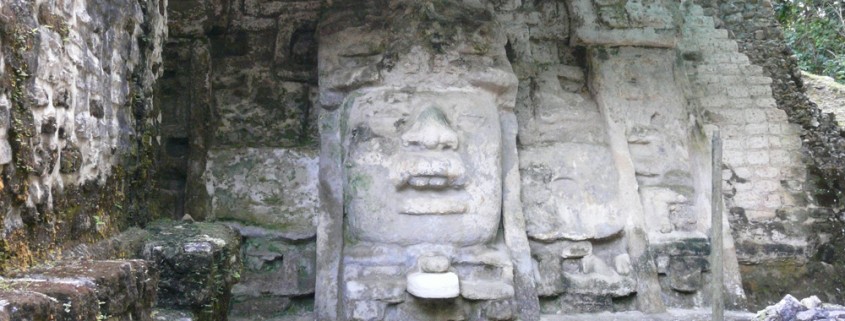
pixel 481 160
pixel 273 188
pixel 77 120
pixel 243 136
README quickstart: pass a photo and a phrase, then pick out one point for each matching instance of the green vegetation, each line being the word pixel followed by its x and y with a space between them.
pixel 815 29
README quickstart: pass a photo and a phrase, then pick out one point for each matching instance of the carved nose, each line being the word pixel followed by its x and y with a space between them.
pixel 432 131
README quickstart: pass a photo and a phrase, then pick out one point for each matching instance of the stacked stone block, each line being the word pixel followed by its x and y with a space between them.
pixel 198 264
pixel 763 172
pixel 243 138
pixel 76 120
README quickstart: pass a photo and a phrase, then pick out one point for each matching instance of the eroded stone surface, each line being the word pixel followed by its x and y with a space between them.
pixel 271 188
pixel 77 120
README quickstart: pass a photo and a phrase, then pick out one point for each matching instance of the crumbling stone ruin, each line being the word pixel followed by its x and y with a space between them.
pixel 408 160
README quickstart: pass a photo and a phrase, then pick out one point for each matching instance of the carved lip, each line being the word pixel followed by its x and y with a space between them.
pixel 429 172
pixel 433 206
pixel 429 181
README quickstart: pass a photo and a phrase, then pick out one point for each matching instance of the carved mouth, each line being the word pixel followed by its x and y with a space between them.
pixel 428 181
pixel 429 173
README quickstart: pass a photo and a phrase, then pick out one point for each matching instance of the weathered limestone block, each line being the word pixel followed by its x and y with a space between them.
pixel 264 113
pixel 549 276
pixel 654 119
pixel 270 188
pixel 597 278
pixel 276 267
pixel 685 273
pixel 199 263
pixel 584 304
pixel 84 290
pixel 570 192
pixel 651 23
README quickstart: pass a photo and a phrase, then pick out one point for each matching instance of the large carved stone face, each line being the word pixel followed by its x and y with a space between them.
pixel 422 166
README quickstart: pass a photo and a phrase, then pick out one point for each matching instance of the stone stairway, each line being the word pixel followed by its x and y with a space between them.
pixel 105 290
pixel 764 174
pixel 173 271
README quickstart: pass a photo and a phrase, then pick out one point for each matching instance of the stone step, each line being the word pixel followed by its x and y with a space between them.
pixel 81 290
pixel 729 57
pixel 708 32
pixel 198 262
pixel 728 69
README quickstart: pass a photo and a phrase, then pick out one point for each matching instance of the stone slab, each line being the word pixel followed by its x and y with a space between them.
pixel 267 187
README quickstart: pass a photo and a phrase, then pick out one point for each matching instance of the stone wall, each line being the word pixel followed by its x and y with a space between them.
pixel 77 121
pixel 239 137
pixel 802 242
pixel 239 144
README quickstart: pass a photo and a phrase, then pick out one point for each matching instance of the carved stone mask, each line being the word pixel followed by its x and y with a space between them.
pixel 422 166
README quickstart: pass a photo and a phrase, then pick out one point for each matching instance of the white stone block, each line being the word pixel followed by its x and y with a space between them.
pixel 767 172
pixel 773 201
pixel 758 157
pixel 757 142
pixel 760 91
pixel 765 186
pixel 743 187
pixel 743 172
pixel 765 102
pixel 755 115
pixel 434 285
pixel 756 129
pixel 734 158
pixel 736 92
pixel 779 157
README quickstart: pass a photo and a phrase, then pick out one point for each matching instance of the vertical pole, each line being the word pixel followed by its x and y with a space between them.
pixel 716 247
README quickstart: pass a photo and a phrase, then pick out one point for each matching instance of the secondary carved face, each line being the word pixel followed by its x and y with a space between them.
pixel 422 167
